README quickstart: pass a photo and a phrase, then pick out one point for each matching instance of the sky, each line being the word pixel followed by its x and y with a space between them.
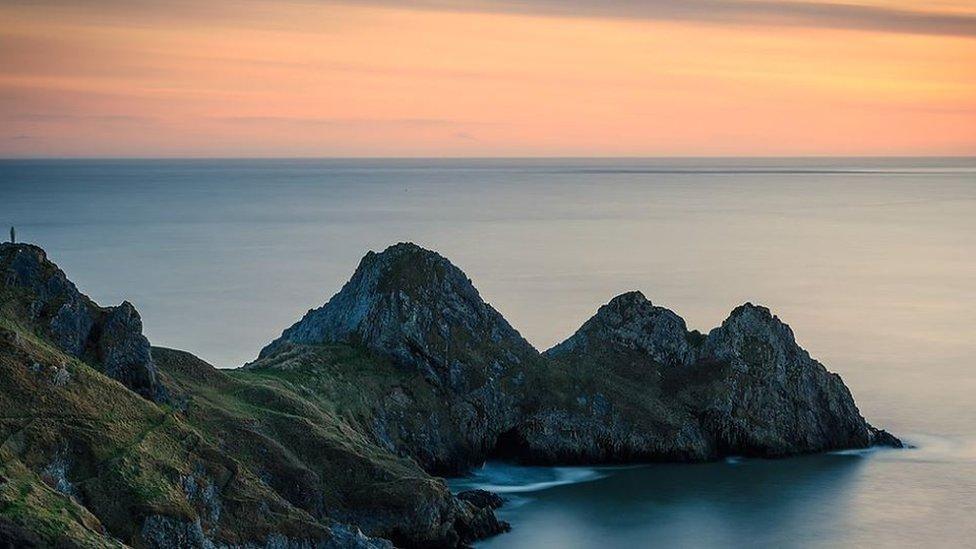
pixel 314 78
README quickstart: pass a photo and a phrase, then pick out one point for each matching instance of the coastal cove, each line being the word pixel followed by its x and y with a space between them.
pixel 830 500
pixel 553 370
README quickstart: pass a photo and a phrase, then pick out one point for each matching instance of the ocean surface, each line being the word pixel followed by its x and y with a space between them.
pixel 871 261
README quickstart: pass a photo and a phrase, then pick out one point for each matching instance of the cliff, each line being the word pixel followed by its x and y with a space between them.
pixel 107 441
pixel 330 438
pixel 454 368
pixel 38 294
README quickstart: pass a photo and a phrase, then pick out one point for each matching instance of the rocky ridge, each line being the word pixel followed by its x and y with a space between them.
pixel 747 388
pixel 329 438
pixel 633 383
pixel 189 456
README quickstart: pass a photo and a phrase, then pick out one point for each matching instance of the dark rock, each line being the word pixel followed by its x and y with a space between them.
pixel 745 389
pixel 125 352
pixel 477 519
pixel 880 437
pixel 13 536
pixel 775 400
pixel 162 532
pixel 479 523
pixel 481 498
pixel 414 307
pixel 107 336
pixel 631 321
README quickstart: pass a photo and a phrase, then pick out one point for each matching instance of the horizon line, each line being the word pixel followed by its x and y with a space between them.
pixel 533 157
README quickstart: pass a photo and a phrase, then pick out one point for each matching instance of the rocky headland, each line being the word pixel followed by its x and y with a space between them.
pixel 333 435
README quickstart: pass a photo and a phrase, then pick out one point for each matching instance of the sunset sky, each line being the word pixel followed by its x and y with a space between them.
pixel 116 78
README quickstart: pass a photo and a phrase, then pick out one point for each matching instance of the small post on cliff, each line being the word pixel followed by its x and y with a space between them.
pixel 13 235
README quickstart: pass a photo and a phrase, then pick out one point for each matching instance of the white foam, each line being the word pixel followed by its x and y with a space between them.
pixel 513 479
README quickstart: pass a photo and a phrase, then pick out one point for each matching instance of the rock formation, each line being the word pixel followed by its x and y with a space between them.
pixel 330 437
pixel 234 461
pixel 107 336
pixel 633 383
pixel 745 389
pixel 413 307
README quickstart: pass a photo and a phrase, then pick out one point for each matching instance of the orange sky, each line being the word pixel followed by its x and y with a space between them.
pixel 532 78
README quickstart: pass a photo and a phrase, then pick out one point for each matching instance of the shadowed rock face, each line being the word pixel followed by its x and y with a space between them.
pixel 416 307
pixel 776 400
pixel 745 389
pixel 631 384
pixel 631 321
pixel 413 307
pixel 109 336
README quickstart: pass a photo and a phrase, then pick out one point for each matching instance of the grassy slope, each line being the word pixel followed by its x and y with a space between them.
pixel 298 428
pixel 126 458
pixel 246 454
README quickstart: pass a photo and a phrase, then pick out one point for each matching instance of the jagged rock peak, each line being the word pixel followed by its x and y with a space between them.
pixel 410 303
pixel 753 336
pixel 631 321
pixel 107 336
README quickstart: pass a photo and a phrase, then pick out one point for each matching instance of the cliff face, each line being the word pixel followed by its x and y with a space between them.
pixel 234 459
pixel 633 383
pixel 110 337
pixel 329 438
pixel 745 389
pixel 776 400
pixel 415 309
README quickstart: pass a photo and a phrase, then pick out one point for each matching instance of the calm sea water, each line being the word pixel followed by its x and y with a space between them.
pixel 872 262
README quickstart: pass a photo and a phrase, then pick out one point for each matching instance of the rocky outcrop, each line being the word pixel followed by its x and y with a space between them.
pixel 745 389
pixel 413 307
pixel 107 336
pixel 329 439
pixel 632 384
pixel 631 321
pixel 774 399
pixel 416 307
pixel 481 498
pixel 481 522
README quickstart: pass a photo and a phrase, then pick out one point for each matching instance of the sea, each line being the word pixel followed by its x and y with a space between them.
pixel 872 262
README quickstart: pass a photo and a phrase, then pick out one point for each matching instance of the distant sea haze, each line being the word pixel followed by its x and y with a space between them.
pixel 871 261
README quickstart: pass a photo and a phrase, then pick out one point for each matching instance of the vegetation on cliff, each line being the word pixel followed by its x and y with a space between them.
pixel 331 437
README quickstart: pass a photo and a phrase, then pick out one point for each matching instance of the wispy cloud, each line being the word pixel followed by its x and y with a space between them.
pixel 772 12
pixel 69 118
pixel 809 13
pixel 338 122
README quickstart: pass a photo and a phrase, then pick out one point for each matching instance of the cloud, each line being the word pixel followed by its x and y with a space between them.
pixel 768 12
pixel 75 118
pixel 337 122
pixel 809 13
